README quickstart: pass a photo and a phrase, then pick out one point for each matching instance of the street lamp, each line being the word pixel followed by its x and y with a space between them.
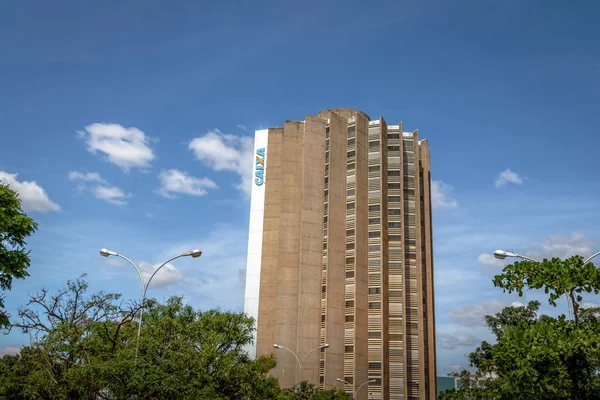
pixel 355 393
pixel 105 253
pixel 502 254
pixel 323 346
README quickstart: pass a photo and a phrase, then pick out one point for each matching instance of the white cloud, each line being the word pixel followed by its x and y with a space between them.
pixel 32 196
pixel 149 215
pixel 9 351
pixel 472 315
pixel 225 152
pixel 440 193
pixel 458 338
pixel 168 274
pixel 457 368
pixel 589 305
pixel 489 259
pixel 86 177
pixel 215 279
pixel 508 176
pixel 561 246
pixel 111 194
pixel 115 262
pixel 242 127
pixel 103 191
pixel 176 181
pixel 125 147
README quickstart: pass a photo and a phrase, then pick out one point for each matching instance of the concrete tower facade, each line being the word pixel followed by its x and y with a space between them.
pixel 340 252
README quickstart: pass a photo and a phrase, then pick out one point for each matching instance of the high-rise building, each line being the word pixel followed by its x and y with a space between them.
pixel 340 253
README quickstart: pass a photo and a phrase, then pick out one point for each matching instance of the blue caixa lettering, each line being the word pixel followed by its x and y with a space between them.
pixel 259 174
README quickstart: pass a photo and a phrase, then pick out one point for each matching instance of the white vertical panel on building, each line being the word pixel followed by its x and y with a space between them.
pixel 255 234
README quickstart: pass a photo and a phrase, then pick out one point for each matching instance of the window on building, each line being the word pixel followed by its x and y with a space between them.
pixel 351 153
pixel 349 274
pixel 374 207
pixel 394 211
pixel 350 166
pixel 393 173
pixel 374 305
pixel 375 365
pixel 350 206
pixel 373 221
pixel 394 225
pixel 374 290
pixel 374 168
pixel 349 246
pixel 374 234
pixel 394 199
pixel 350 232
pixel 349 318
pixel 350 192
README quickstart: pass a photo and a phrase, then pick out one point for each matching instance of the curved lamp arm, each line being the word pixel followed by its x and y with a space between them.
pixel 323 346
pixel 502 254
pixel 371 381
pixel 526 258
pixel 587 260
pixel 134 266
pixel 285 348
pixel 158 269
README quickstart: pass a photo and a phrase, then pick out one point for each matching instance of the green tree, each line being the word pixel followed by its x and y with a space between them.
pixel 307 391
pixel 84 348
pixel 15 227
pixel 540 357
pixel 556 277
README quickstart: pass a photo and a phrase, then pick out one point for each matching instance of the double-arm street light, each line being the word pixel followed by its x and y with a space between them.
pixel 355 393
pixel 502 254
pixel 105 253
pixel 323 346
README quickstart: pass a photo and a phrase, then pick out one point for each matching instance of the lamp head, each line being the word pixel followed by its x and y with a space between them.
pixel 276 345
pixel 324 346
pixel 196 253
pixel 501 254
pixel 106 253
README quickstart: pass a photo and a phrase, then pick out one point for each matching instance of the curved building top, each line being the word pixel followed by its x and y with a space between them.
pixel 342 112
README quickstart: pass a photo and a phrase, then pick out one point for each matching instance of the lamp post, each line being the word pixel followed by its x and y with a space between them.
pixel 502 254
pixel 355 393
pixel 105 253
pixel 323 346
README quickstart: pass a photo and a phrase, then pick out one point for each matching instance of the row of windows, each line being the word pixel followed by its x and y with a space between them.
pixel 391 238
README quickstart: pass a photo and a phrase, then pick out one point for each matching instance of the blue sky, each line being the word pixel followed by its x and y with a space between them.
pixel 506 92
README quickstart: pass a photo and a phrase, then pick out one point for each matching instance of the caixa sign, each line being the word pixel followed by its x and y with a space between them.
pixel 259 169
